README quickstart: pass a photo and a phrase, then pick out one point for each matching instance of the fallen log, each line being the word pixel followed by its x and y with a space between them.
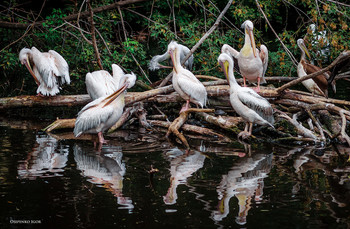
pixel 38 101
pixel 227 123
pixel 178 122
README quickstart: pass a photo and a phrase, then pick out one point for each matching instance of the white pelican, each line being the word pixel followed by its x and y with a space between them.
pixel 102 113
pixel 49 69
pixel 245 101
pixel 252 63
pixel 184 82
pixel 317 85
pixel 101 83
pixel 183 50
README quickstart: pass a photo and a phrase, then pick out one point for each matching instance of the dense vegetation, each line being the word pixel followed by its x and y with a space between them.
pixel 149 26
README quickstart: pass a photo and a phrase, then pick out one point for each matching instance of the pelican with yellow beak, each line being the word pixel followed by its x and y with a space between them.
pixel 49 69
pixel 245 101
pixel 102 113
pixel 184 82
pixel 252 63
pixel 317 85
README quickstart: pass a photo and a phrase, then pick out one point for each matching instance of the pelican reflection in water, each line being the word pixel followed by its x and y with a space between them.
pixel 244 181
pixel 106 169
pixel 47 159
pixel 182 166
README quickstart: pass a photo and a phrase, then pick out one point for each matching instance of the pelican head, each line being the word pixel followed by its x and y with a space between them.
pixel 225 61
pixel 172 50
pixel 302 47
pixel 24 56
pixel 248 29
pixel 128 79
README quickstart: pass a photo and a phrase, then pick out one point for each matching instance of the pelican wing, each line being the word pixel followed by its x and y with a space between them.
pixel 257 103
pixel 91 116
pixel 264 56
pixel 192 87
pixel 232 53
pixel 154 63
pixel 183 53
pixel 45 67
pixel 62 66
pixel 100 83
pixel 117 72
pixel 229 50
pixel 320 80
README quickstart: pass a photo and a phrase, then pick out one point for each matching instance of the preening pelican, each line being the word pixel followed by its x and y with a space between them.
pixel 184 82
pixel 102 113
pixel 49 69
pixel 183 50
pixel 252 63
pixel 101 83
pixel 245 101
pixel 317 85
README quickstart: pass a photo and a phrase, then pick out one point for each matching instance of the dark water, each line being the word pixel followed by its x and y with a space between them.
pixel 52 183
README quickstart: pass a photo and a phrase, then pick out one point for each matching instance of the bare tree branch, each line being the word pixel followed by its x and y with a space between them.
pixel 29 27
pixel 14 25
pixel 205 36
pixel 93 36
pixel 343 55
pixel 295 62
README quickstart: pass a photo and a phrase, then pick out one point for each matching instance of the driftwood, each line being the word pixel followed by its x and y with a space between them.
pixel 290 100
pixel 313 118
pixel 177 123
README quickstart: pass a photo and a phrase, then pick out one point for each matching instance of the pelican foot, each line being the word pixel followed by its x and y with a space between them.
pixel 40 95
pixel 103 142
pixel 243 135
pixel 256 89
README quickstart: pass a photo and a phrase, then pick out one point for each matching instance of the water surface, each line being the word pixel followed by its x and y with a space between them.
pixel 51 182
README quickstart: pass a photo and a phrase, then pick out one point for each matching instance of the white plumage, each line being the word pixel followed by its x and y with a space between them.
pixel 49 69
pixel 184 82
pixel 101 83
pixel 252 62
pixel 245 101
pixel 183 50
pixel 102 113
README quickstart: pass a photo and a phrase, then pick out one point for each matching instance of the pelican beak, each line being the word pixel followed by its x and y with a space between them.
pixel 252 40
pixel 115 94
pixel 305 50
pixel 172 55
pixel 164 66
pixel 27 64
pixel 224 66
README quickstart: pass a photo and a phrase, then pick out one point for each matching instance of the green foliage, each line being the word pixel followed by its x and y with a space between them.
pixel 148 37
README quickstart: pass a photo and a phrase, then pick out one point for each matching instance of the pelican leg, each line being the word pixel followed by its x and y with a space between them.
pixel 245 134
pixel 101 139
pixel 185 108
pixel 250 128
pixel 244 84
pixel 257 89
